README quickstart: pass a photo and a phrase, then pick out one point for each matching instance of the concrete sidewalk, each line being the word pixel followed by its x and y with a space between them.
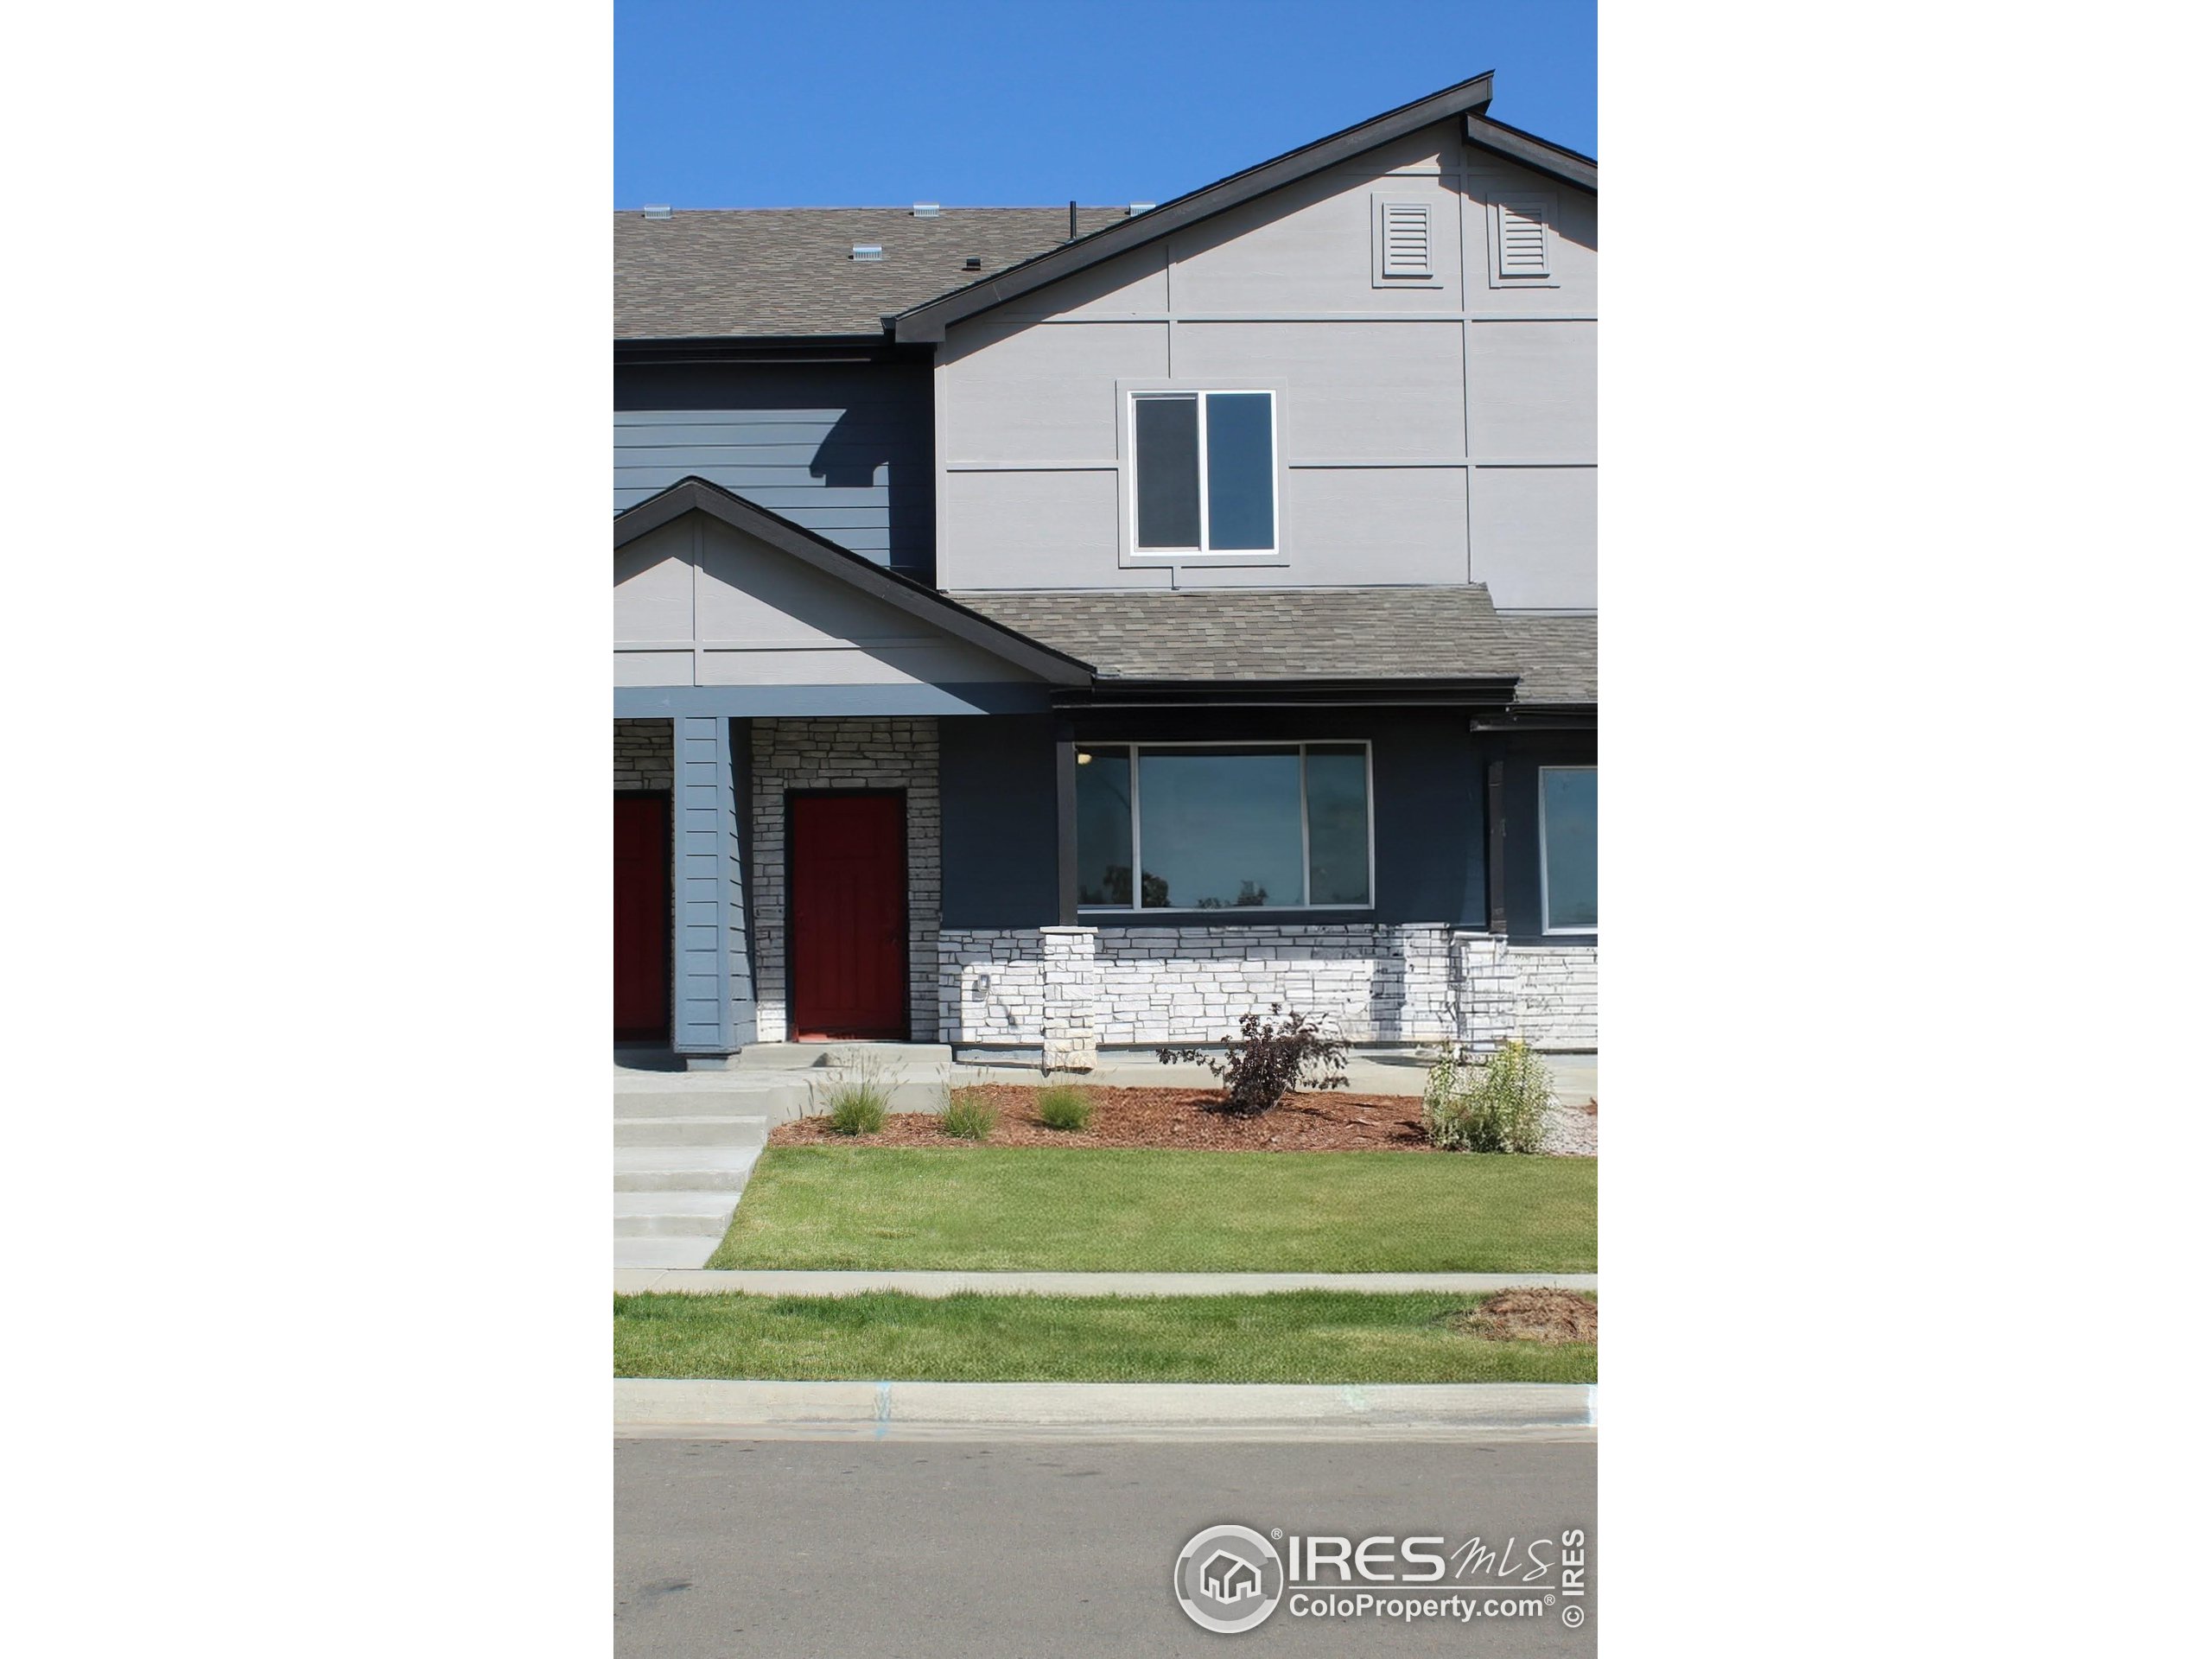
pixel 713 1409
pixel 704 1281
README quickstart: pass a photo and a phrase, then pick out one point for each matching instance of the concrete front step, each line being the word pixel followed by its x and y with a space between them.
pixel 911 1058
pixel 672 1215
pixel 683 1169
pixel 776 1099
pixel 662 1253
pixel 750 1129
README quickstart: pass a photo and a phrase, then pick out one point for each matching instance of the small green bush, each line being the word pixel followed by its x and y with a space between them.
pixel 1492 1105
pixel 1064 1106
pixel 970 1117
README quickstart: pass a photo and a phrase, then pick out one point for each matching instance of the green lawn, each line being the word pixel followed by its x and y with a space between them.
pixel 1299 1336
pixel 1104 1210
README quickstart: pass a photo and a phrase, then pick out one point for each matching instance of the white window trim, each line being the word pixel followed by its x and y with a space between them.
pixel 1136 905
pixel 1129 555
pixel 1544 860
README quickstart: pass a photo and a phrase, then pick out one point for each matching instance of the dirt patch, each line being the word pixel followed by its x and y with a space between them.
pixel 1320 1121
pixel 1549 1316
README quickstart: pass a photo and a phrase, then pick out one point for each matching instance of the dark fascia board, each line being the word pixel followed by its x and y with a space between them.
pixel 1538 717
pixel 1535 154
pixel 765 348
pixel 927 321
pixel 695 495
pixel 1487 692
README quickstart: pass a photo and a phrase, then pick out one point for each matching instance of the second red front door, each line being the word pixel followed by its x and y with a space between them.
pixel 848 916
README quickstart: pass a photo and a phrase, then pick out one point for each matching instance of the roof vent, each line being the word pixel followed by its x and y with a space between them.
pixel 927 210
pixel 656 210
pixel 973 262
pixel 866 251
pixel 1136 207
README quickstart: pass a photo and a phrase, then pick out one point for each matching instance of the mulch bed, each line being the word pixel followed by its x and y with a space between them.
pixel 1548 1316
pixel 1327 1120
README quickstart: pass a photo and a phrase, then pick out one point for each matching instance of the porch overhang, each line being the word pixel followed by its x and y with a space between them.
pixel 1476 692
pixel 795 701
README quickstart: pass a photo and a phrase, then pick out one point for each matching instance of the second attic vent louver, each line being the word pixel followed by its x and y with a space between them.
pixel 1521 247
pixel 867 251
pixel 1405 240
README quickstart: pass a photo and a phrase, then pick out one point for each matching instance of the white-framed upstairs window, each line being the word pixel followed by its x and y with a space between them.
pixel 1202 477
pixel 1207 827
pixel 1567 847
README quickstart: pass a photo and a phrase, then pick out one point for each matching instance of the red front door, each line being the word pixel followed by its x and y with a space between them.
pixel 849 916
pixel 641 908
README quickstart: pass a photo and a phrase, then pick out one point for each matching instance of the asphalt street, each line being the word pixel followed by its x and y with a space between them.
pixel 1062 1551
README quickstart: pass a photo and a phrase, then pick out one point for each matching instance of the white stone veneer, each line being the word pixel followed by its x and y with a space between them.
pixel 645 754
pixel 830 753
pixel 1066 989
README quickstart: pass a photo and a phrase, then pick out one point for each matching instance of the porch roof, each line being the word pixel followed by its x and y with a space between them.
pixel 1368 634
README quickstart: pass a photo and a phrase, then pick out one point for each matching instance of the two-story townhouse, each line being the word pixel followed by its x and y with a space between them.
pixel 1043 629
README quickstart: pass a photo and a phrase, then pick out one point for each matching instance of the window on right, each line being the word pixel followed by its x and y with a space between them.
pixel 1205 472
pixel 1567 805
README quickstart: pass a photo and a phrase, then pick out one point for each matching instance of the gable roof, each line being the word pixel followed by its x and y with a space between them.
pixel 788 272
pixel 695 495
pixel 928 320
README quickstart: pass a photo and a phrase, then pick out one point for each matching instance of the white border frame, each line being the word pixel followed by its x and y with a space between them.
pixel 1544 860
pixel 1129 555
pixel 1136 906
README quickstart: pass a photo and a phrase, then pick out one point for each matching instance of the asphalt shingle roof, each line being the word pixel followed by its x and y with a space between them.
pixel 1558 656
pixel 783 271
pixel 1306 634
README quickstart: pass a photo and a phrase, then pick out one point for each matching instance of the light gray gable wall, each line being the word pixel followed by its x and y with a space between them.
pixel 1430 433
pixel 699 603
pixel 842 448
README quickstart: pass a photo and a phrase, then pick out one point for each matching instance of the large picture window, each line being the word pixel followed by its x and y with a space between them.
pixel 1262 826
pixel 1568 805
pixel 1204 471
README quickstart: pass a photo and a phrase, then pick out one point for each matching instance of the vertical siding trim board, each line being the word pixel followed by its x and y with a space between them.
pixel 705 857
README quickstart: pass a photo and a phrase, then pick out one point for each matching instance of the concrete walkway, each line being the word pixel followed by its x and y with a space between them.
pixel 710 1409
pixel 702 1281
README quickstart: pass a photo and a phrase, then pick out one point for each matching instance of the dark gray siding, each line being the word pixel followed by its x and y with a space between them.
pixel 1525 754
pixel 843 448
pixel 1000 848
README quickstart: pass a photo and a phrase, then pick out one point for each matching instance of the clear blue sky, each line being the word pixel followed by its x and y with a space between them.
pixel 850 103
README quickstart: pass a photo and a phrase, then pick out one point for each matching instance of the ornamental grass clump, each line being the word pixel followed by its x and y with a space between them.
pixel 861 1096
pixel 970 1117
pixel 1064 1106
pixel 1496 1104
pixel 1267 1059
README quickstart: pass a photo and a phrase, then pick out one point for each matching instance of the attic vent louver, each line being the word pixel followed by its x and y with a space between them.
pixel 656 210
pixel 867 251
pixel 1136 207
pixel 927 210
pixel 1405 238
pixel 1522 247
